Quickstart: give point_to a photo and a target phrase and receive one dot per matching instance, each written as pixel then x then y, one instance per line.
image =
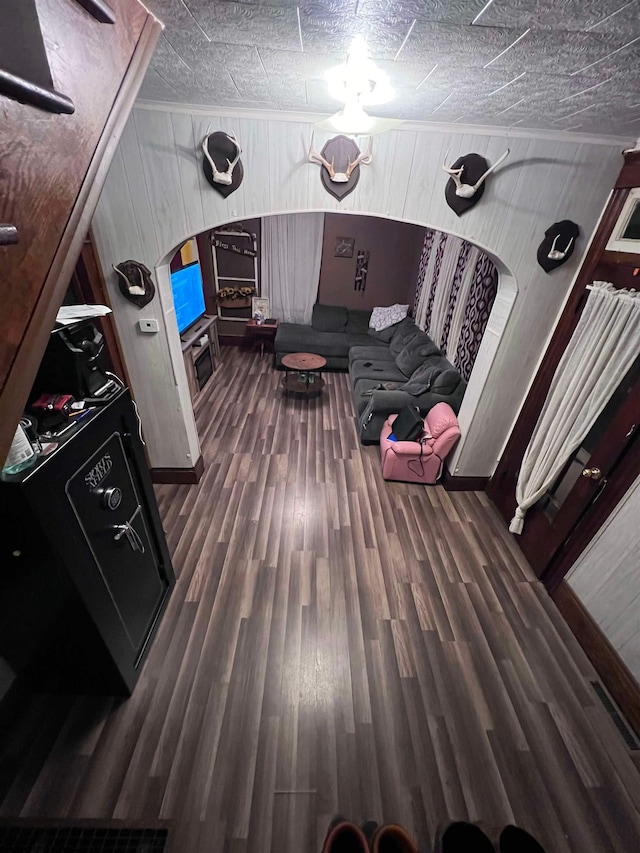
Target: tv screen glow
pixel 188 298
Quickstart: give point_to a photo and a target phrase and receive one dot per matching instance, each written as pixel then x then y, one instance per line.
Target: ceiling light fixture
pixel 359 80
pixel 357 83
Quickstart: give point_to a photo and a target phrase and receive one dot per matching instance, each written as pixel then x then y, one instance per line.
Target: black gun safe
pixel 85 573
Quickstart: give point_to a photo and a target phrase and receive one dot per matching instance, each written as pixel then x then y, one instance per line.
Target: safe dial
pixel 110 498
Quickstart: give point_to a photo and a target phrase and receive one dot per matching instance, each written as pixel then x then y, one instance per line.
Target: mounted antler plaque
pixel 466 186
pixel 558 244
pixel 222 166
pixel 340 160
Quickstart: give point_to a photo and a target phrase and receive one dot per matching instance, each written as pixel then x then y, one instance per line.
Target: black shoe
pixel 461 837
pixel 515 840
pixel 344 837
pixel 391 838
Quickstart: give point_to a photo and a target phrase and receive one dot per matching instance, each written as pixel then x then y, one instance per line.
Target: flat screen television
pixel 188 297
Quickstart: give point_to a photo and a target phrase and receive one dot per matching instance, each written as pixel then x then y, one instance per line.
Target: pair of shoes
pixel 462 837
pixel 345 837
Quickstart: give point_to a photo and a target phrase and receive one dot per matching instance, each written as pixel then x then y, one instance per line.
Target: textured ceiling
pixel 546 64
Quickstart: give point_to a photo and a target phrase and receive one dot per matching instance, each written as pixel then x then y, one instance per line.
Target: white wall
pixel 606 579
pixel 156 196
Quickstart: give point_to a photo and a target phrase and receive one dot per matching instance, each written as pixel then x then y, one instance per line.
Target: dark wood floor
pixel 334 643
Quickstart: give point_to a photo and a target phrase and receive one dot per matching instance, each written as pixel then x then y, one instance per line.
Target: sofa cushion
pixel 357 321
pixel 293 337
pixel 384 335
pixel 329 318
pixel 382 371
pixel 413 355
pixel 370 353
pixel 354 340
pixel 404 331
pixel 363 387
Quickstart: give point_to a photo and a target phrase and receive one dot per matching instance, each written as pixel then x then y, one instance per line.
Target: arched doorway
pixel 462 461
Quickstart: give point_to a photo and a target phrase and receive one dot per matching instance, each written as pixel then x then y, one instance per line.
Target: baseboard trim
pixel 463 484
pixel 178 475
pixel 612 670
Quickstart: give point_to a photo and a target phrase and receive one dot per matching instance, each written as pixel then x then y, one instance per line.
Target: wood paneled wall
pixel 394 255
pixel 606 579
pixel 156 196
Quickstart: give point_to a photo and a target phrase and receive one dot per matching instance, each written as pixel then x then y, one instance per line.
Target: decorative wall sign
pixel 222 166
pixel 340 160
pixel 362 268
pixel 344 247
pixel 135 283
pixel 466 185
pixel 229 247
pixel 558 244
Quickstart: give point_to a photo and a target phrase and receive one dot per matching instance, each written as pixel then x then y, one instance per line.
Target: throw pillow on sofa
pixel 329 318
pixel 381 318
pixel 413 355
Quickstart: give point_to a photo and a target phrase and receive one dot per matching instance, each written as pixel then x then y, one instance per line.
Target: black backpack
pixel 409 424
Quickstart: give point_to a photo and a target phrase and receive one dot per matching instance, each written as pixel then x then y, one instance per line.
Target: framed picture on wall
pixel 260 304
pixel 344 247
pixel 625 236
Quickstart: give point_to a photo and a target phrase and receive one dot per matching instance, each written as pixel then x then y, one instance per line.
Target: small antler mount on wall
pixel 466 185
pixel 340 162
pixel 221 164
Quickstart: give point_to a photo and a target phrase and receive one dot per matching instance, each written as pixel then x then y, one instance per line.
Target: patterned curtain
pixel 456 287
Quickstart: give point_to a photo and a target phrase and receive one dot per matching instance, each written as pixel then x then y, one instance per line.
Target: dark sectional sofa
pixel 390 369
pixel 332 333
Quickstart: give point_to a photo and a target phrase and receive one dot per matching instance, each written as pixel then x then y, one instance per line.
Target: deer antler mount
pixel 221 162
pixel 340 162
pixel 467 180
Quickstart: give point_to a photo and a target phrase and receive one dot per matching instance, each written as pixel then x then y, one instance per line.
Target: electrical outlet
pixel 148 326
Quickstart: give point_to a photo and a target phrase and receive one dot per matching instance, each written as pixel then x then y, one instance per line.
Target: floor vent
pixel 80 839
pixel 622 726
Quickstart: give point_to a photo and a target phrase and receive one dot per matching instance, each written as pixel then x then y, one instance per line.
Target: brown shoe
pixel 344 837
pixel 461 837
pixel 391 838
pixel 515 840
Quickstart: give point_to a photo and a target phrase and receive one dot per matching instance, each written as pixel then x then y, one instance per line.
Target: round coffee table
pixel 303 374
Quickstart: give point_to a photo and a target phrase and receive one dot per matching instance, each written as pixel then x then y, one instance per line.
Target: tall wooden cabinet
pixel 52 169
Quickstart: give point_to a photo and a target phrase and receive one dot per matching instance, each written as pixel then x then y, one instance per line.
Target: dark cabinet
pixel 84 568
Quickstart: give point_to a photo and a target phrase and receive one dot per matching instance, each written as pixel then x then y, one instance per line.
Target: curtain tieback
pixel 517 522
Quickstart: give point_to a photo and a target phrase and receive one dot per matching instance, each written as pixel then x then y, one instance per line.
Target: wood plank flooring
pixel 335 643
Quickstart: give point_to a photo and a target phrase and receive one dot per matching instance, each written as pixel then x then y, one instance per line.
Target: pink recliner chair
pixel 402 460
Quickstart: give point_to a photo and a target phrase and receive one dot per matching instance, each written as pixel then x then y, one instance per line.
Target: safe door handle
pixel 128 530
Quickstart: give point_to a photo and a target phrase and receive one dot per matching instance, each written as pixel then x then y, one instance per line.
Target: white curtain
pixel 603 347
pixel 290 264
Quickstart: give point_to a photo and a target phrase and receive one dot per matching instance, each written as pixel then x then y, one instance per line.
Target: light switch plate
pixel 148 326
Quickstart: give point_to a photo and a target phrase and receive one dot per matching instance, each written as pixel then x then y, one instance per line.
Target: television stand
pixel 200 359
